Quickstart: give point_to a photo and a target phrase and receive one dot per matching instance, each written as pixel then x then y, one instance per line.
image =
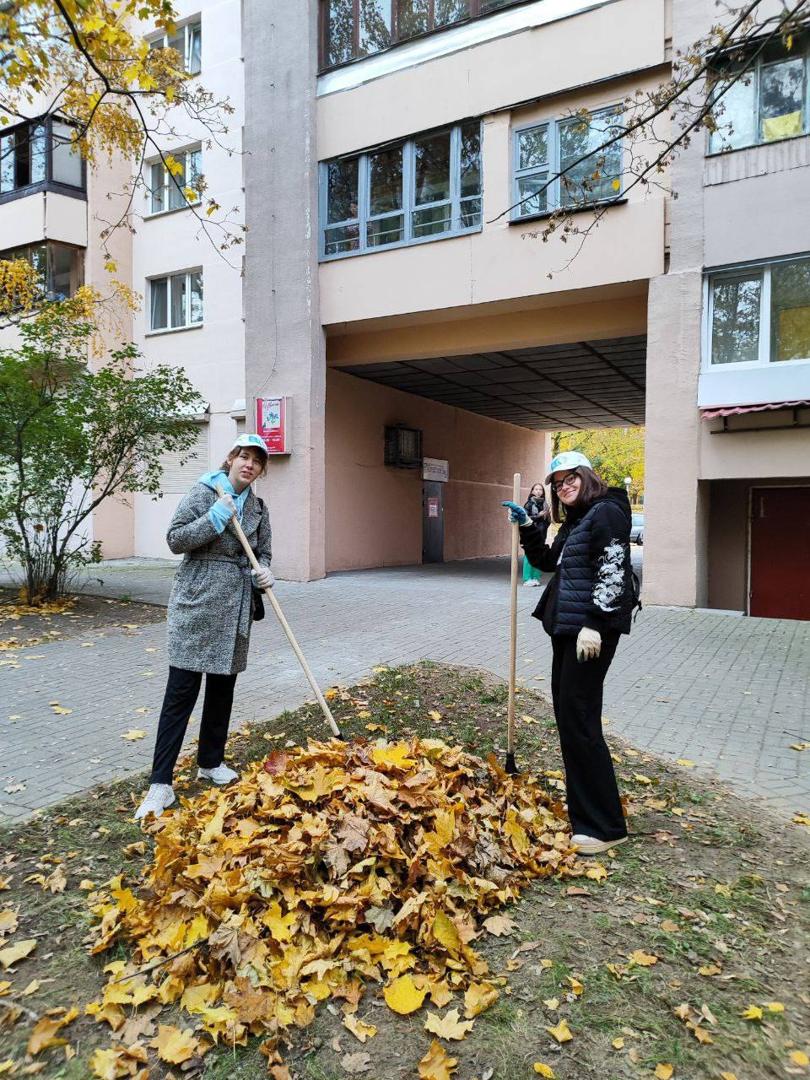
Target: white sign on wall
pixel 435 469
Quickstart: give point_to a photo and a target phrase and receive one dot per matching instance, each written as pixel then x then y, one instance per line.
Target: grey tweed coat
pixel 211 603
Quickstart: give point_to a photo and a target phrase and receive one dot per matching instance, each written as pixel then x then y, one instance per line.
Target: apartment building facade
pixel 401 304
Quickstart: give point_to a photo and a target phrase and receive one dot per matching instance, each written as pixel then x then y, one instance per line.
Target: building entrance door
pixel 432 522
pixel 780 553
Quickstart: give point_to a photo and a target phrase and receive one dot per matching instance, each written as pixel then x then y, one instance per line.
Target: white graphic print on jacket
pixel 607 589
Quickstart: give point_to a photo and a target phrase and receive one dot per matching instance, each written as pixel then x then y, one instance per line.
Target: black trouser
pixel 593 796
pixel 178 701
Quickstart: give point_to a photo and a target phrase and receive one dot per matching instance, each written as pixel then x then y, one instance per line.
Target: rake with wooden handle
pixel 511 767
pixel 285 626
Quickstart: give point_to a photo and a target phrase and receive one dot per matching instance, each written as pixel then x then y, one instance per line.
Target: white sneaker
pixel 221 774
pixel 157 799
pixel 589 845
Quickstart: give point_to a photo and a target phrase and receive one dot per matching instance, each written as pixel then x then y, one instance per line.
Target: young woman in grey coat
pixel 210 614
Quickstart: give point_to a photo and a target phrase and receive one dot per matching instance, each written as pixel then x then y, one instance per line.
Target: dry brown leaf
pixel 12 954
pixel 357 1063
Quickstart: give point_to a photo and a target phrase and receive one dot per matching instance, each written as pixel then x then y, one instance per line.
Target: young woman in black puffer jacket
pixel 585 609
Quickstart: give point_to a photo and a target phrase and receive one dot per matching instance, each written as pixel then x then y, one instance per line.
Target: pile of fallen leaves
pixel 323 870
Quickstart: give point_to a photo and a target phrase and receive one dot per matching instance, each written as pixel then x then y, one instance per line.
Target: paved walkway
pixel 726 692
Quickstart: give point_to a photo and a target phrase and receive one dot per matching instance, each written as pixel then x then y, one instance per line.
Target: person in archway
pixel 211 609
pixel 535 507
pixel 585 610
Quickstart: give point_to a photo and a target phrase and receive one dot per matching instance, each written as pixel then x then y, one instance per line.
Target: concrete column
pixel 284 340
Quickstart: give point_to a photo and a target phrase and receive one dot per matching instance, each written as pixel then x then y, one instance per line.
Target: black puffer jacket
pixel 594 583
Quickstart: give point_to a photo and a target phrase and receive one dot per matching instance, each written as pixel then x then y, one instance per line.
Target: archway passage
pixel 574 386
pixel 480 417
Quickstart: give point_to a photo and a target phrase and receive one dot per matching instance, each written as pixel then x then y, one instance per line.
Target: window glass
pixel 157 178
pixel 7 165
pixel 176 184
pixel 432 168
pixel 177 299
pixel 735 320
pixel 375 26
pixel 158 291
pixel 735 114
pixel 781 98
pixel 790 311
pixel 194 47
pixel 470 213
pixel 450 11
pixel 63 270
pixel 196 297
pixel 39 154
pixel 66 167
pixel 340 31
pixel 386 230
pixel 413 17
pixel 385 181
pixel 470 159
pixel 434 220
pixel 344 238
pixel 177 41
pixel 533 147
pixel 587 172
pixel 341 190
pixel 532 194
pixel 22 164
pixel 194 172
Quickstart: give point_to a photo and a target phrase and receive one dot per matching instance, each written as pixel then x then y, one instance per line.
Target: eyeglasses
pixel 567 481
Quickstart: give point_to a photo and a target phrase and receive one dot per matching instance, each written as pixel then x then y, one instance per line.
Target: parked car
pixel 637 529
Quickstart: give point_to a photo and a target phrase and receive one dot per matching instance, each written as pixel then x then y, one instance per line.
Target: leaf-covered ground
pixel 688 961
pixel 23 627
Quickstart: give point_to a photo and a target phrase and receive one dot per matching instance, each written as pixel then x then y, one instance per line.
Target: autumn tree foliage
pixel 91 63
pixel 71 437
pixel 615 454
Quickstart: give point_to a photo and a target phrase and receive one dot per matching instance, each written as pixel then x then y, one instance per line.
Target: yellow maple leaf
pixel 641 958
pixel 663 1071
pixel 133 734
pixel 174 1045
pixel 544 1070
pixel 798 1057
pixel 753 1012
pixel 618 1044
pixel 478 997
pixel 437 1064
pixel 434 714
pixel 403 996
pixel 707 970
pixel 727 1076
pixel 8 921
pixel 561 1032
pixel 359 1028
pixel 45 1029
pixel 446 932
pixel 14 953
pixel 214 827
pixel 396 755
pixel 774 1006
pixel 449 1026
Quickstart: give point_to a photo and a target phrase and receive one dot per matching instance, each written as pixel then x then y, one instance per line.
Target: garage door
pixel 780 553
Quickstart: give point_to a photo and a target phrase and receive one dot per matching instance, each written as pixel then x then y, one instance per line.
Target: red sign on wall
pixel 272 423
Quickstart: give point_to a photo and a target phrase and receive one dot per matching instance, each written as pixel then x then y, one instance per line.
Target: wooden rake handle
pixel 254 562
pixel 511 767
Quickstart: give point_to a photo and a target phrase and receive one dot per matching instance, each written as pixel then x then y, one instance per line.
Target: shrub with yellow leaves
pixel 324 869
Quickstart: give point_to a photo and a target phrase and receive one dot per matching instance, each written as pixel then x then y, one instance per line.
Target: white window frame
pixel 168 180
pixel 553 201
pixel 186 325
pixel 755 75
pixel 409 206
pixel 162 41
pixel 746 270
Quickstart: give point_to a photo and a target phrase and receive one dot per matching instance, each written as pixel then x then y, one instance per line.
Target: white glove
pixel 264 578
pixel 589 644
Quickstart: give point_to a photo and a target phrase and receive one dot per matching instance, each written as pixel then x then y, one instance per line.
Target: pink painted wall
pixel 374 513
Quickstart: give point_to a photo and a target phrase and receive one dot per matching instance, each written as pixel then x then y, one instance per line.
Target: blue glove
pixel 517 515
pixel 221 513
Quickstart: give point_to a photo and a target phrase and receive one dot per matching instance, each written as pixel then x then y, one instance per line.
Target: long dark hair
pixel 591 488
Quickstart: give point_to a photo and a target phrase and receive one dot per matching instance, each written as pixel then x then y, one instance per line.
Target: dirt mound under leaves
pixel 322 871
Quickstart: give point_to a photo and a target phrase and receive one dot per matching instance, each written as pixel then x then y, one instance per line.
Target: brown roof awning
pixel 738 410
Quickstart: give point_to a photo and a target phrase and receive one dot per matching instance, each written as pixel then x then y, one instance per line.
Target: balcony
pixel 43 185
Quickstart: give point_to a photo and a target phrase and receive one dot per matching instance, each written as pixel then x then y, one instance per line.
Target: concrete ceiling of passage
pixel 584 384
